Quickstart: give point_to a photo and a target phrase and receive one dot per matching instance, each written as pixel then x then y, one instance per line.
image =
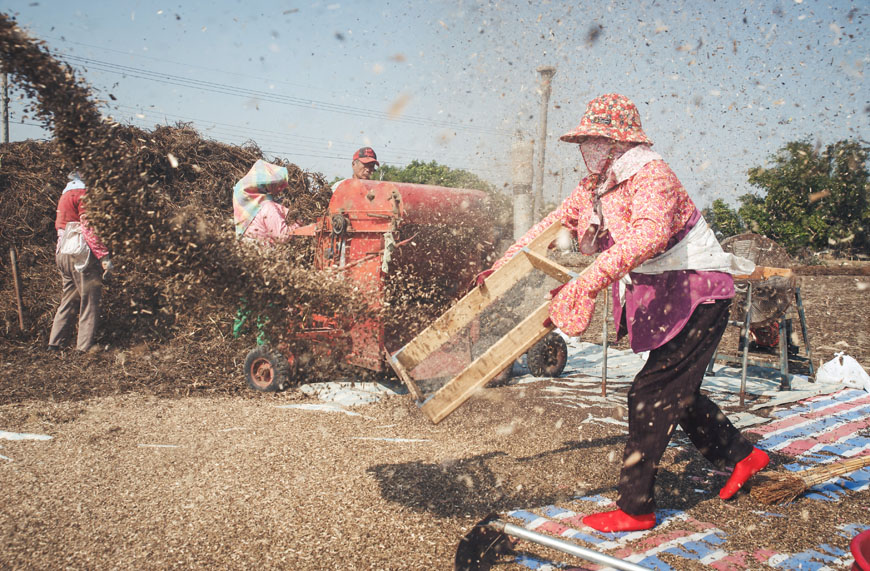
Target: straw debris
pixel 161 201
pixel 781 488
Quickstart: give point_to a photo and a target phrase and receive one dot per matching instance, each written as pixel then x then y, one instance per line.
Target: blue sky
pixel 721 86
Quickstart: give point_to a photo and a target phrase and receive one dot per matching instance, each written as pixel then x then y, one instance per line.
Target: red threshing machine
pixel 381 235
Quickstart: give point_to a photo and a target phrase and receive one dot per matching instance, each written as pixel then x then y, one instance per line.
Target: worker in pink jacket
pixel 259 217
pixel 256 213
pixel 83 262
pixel 632 210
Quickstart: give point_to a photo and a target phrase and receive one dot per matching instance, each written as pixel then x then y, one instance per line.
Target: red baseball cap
pixel 366 155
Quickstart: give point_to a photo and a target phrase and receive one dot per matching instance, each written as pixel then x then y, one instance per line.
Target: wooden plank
pixel 764 272
pixel 463 311
pixel 549 267
pixel 16 279
pixel 502 354
pixel 405 377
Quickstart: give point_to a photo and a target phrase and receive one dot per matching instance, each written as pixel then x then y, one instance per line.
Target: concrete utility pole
pixel 522 157
pixel 547 72
pixel 4 108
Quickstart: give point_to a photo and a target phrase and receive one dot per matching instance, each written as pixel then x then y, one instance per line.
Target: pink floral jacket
pixel 643 216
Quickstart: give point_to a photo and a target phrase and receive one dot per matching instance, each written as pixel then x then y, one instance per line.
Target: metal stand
pixel 803 317
pixel 785 376
pixel 746 323
pixel 785 379
pixel 604 345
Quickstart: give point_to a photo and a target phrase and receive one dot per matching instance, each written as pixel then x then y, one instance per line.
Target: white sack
pixel 845 370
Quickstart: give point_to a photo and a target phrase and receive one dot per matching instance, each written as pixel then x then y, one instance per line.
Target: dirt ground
pixel 160 458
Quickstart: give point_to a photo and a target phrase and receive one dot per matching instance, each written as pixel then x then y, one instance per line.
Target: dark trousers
pixel 667 393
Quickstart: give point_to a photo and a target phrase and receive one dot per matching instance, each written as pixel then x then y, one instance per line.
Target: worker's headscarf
pixel 613 116
pixel 75 182
pixel 608 128
pixel 256 187
pixel 610 125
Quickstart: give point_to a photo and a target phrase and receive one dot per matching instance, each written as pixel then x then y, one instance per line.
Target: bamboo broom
pixel 781 487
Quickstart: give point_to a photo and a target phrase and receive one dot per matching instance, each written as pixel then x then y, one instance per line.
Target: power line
pixel 306 103
pixel 495 131
pixel 309 104
pixel 28 123
pixel 308 147
pixel 240 131
pixel 310 152
pixel 163 60
pixel 397 158
pixel 209 69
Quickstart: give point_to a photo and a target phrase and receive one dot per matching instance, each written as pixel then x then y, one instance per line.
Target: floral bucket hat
pixel 613 116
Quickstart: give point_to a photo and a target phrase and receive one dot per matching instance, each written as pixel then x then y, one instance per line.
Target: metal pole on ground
pixel 745 334
pixel 565 546
pixel 604 349
pixel 784 383
pixel 547 73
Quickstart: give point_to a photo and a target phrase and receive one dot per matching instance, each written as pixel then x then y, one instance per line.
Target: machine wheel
pixel 502 378
pixel 548 356
pixel 269 370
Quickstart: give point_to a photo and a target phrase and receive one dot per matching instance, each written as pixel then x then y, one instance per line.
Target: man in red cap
pixel 672 289
pixel 364 163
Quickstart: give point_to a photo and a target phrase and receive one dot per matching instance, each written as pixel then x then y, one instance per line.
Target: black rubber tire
pixel 502 378
pixel 269 370
pixel 548 356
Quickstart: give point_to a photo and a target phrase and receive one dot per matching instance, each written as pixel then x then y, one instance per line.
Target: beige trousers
pixel 81 294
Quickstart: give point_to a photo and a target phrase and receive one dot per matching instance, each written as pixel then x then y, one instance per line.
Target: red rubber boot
pixel 743 470
pixel 618 520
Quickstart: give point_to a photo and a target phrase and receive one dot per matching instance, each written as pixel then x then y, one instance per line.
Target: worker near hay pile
pixel 260 218
pixel 256 214
pixel 363 164
pixel 672 288
pixel 84 263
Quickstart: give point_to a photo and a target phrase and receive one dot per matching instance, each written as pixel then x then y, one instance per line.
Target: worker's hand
pixel 555 291
pixel 481 277
pixel 572 307
pixel 108 267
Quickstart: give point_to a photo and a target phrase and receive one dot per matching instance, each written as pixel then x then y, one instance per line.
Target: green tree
pixel 723 219
pixel 419 172
pixel 813 199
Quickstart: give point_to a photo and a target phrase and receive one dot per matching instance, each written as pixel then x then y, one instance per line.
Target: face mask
pixel 595 151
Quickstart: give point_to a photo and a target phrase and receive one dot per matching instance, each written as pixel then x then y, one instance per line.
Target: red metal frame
pixel 352 236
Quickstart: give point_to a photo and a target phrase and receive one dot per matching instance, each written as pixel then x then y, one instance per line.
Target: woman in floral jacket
pixel 634 211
